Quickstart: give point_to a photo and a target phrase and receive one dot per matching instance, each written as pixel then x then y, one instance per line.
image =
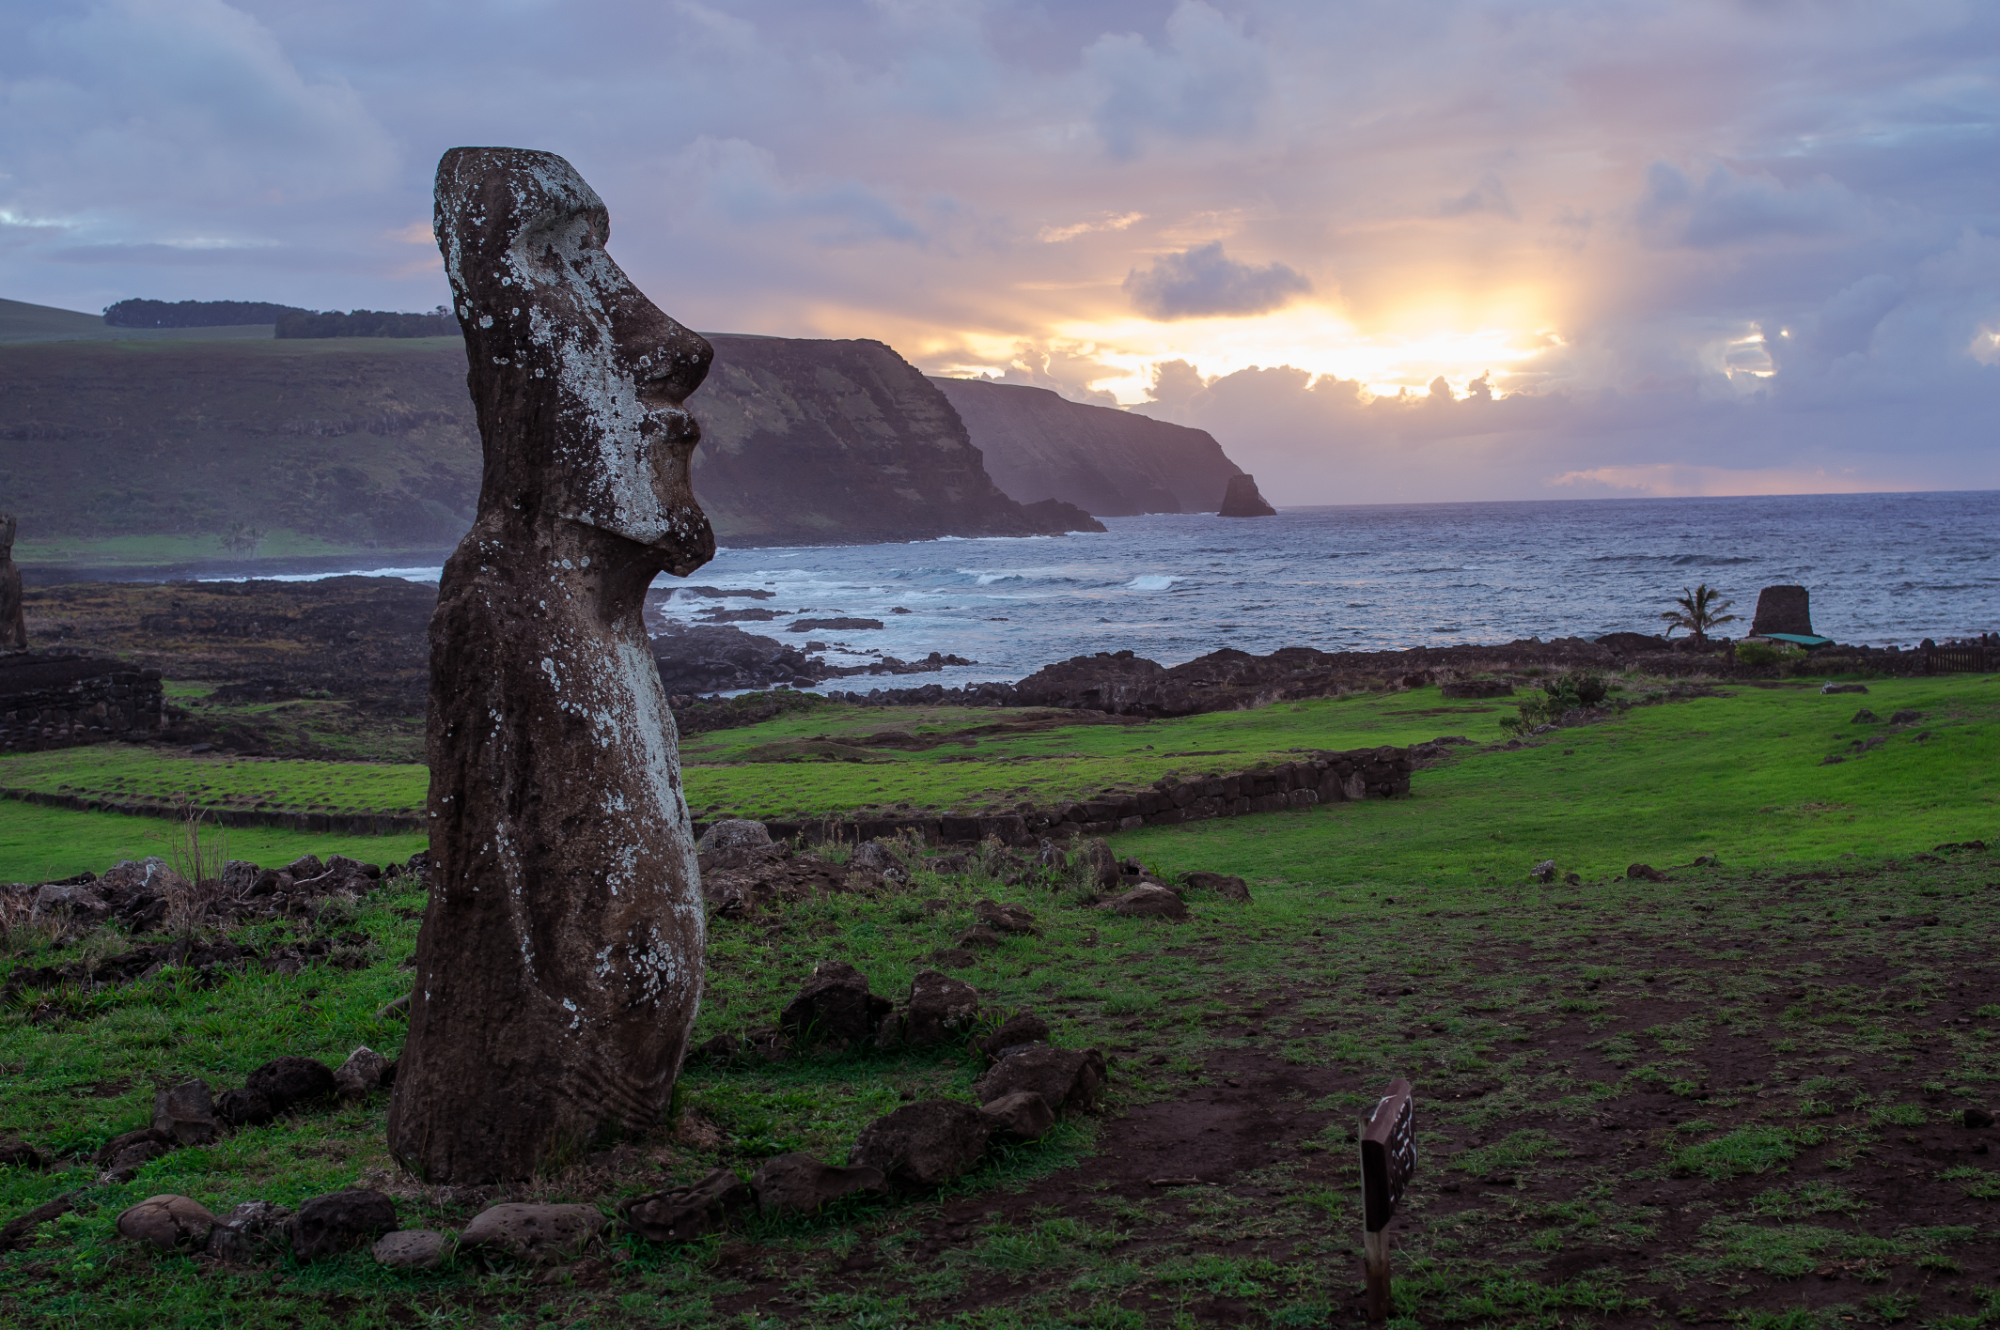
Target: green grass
pixel 42 844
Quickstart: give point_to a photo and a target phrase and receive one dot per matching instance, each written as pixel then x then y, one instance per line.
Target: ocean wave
pixel 1153 582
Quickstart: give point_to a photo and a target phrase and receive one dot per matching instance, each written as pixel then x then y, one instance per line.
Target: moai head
pixel 578 378
pixel 6 535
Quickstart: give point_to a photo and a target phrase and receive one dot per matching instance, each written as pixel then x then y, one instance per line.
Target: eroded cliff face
pixel 822 442
pixel 1110 463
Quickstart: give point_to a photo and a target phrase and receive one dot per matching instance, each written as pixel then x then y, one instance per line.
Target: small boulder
pixel 1544 871
pixel 539 1234
pixel 1017 1030
pixel 1148 900
pixel 1222 884
pixel 925 1144
pixel 686 1213
pixel 171 1223
pixel 122 1156
pixel 243 1108
pixel 1905 717
pixel 290 1080
pixel 73 899
pixel 410 1249
pixel 239 879
pixel 1831 687
pixel 953 958
pixel 361 1074
pixel 17 1153
pixel 244 1234
pixel 834 1007
pixel 876 858
pixel 1063 1077
pixel 977 939
pixel 1100 865
pixel 799 1184
pixel 1864 717
pixel 329 1224
pixel 1003 918
pixel 1644 873
pixel 1020 1116
pixel 1976 1117
pixel 305 868
pixel 186 1113
pixel 734 833
pixel 940 1009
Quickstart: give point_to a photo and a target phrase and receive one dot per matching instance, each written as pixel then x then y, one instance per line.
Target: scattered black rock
pixel 1002 918
pixel 939 1010
pixel 328 1225
pixel 249 1231
pixel 686 1213
pixel 1148 900
pixel 17 1153
pixel 1063 1077
pixel 244 1108
pixel 799 1184
pixel 288 1081
pixel 186 1113
pixel 834 1007
pixel 1222 884
pixel 1021 1116
pixel 1017 1030
pixel 171 1223
pixel 1976 1117
pixel 925 1144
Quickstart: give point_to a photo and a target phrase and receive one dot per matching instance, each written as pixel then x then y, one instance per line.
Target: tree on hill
pixel 193 313
pixel 1700 610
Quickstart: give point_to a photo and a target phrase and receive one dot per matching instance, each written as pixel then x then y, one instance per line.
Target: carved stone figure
pixel 559 964
pixel 1783 609
pixel 13 622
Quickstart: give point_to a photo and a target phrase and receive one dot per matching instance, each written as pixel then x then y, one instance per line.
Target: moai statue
pixel 13 621
pixel 560 961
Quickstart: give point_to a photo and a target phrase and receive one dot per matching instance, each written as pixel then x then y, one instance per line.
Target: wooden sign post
pixel 1388 1159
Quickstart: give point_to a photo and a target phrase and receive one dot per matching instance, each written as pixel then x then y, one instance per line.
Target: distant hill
pixel 23 322
pixel 194 313
pixel 157 453
pixel 1110 463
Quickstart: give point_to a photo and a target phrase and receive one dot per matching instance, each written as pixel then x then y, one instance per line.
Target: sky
pixel 1384 250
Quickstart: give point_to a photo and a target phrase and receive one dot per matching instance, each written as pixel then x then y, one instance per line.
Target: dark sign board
pixel 1388 1155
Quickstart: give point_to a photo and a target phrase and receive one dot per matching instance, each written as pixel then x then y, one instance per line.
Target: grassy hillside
pixel 176 450
pixel 23 322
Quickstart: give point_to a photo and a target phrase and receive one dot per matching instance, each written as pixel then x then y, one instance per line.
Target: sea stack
pixel 1241 499
pixel 560 961
pixel 1783 609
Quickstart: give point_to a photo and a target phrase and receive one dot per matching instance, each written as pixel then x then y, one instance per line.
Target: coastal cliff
pixel 835 442
pixel 1110 463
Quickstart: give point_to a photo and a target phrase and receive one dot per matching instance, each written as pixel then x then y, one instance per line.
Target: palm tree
pixel 1700 610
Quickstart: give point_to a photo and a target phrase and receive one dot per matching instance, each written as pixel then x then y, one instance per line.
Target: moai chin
pixel 13 618
pixel 559 964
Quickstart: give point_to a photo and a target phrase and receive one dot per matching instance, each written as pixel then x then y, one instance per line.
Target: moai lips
pixel 560 961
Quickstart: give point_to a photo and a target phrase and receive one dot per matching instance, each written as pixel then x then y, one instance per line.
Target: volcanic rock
pixel 925 1144
pixel 977 939
pixel 834 1007
pixel 1003 918
pixel 940 1008
pixel 1475 688
pixel 186 1113
pixel 733 833
pixel 327 1225
pixel 17 1153
pixel 242 1235
pixel 171 1223
pixel 1021 1028
pixel 410 1249
pixel 1241 499
pixel 1021 1116
pixel 546 713
pixel 364 1072
pixel 686 1213
pixel 1148 900
pixel 1644 873
pixel 798 1183
pixel 244 1108
pixel 122 1157
pixel 1103 864
pixel 288 1081
pixel 1063 1077
pixel 539 1234
pixel 1222 884
pixel 13 621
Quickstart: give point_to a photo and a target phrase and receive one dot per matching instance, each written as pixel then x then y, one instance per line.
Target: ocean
pixel 1882 569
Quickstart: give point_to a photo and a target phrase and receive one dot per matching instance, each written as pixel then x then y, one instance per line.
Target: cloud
pixel 1662 480
pixel 1210 80
pixel 1055 235
pixel 1727 209
pixel 1205 282
pixel 742 183
pixel 1488 196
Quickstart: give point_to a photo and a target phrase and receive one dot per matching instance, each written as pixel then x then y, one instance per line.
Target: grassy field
pixel 1732 1097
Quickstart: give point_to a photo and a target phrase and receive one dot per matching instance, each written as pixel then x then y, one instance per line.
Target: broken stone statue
pixel 559 963
pixel 13 621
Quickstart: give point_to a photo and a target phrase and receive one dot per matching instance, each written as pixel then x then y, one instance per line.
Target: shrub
pixel 1761 655
pixel 1567 693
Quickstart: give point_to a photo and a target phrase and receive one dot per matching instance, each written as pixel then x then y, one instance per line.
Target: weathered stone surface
pixel 1644 873
pixel 685 1213
pixel 1102 864
pixel 977 938
pixel 239 879
pixel 733 833
pixel 1021 1028
pixel 13 620
pixel 560 960
pixel 305 868
pixel 1783 609
pixel 540 1234
pixel 145 1143
pixel 326 1225
pixel 1063 1077
pixel 17 1153
pixel 925 1144
pixel 1004 918
pixel 362 1073
pixel 876 857
pixel 244 1108
pixel 288 1081
pixel 798 1183
pixel 1148 900
pixel 1222 884
pixel 247 1232
pixel 186 1113
pixel 1241 499
pixel 940 1009
pixel 1022 1115
pixel 77 900
pixel 834 1007
pixel 171 1223
pixel 410 1249
pixel 1460 689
